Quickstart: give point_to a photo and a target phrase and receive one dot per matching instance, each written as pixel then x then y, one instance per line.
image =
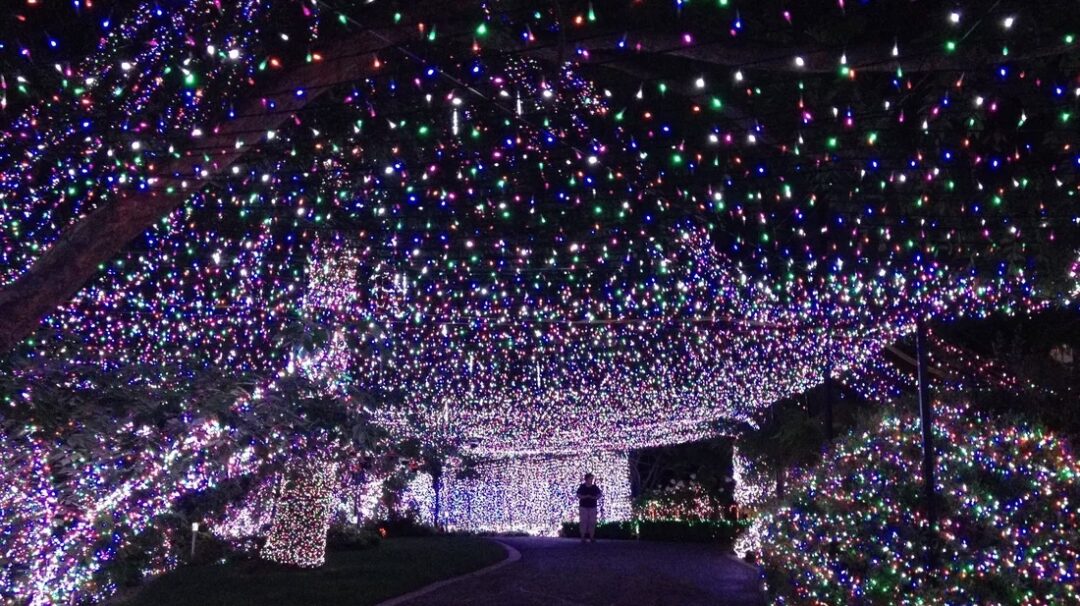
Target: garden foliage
pixel 854 529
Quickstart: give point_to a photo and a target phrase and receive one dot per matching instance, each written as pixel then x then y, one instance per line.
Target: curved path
pixel 564 572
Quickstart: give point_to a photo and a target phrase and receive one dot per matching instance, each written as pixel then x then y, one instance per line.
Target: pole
pixel 779 472
pixel 828 388
pixel 827 383
pixel 926 418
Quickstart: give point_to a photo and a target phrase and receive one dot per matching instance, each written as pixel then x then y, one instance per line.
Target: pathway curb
pixel 512 555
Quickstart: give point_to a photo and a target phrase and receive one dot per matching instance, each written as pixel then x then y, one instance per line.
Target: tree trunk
pixel 302 518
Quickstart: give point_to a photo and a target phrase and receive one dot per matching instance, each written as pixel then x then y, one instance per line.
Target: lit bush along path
pixel 355 578
pixel 629 573
pixel 855 533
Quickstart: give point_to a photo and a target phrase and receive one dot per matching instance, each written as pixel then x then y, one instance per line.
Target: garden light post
pixel 194 535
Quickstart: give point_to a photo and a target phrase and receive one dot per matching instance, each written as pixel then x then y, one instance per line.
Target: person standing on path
pixel 588 494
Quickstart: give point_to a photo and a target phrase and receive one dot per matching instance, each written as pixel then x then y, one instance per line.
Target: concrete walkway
pixel 563 572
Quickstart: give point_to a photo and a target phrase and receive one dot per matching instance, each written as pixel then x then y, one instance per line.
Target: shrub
pixel 209 549
pixel 604 530
pixel 404 526
pixel 853 530
pixel 689 531
pixel 683 501
pixel 142 552
pixel 350 538
pixel 720 531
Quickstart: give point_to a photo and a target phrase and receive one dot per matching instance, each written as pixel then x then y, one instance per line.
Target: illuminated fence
pixel 534 494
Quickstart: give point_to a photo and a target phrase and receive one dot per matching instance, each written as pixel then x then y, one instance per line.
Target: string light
pixel 682 501
pixel 507 253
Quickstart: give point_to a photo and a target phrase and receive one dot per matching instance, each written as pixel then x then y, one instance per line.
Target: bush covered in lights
pixel 349 537
pixel 854 532
pixel 104 469
pixel 681 500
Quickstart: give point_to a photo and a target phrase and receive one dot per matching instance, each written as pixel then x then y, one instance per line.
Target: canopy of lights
pixel 539 228
pixel 522 228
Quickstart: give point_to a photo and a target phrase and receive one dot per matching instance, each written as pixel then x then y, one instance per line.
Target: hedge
pixel 721 532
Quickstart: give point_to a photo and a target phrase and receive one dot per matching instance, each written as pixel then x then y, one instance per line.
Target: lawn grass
pixel 349 578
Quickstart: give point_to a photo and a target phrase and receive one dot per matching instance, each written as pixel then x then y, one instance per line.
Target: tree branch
pixel 815 59
pixel 76 257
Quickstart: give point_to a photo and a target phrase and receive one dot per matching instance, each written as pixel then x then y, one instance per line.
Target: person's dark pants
pixel 587 516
